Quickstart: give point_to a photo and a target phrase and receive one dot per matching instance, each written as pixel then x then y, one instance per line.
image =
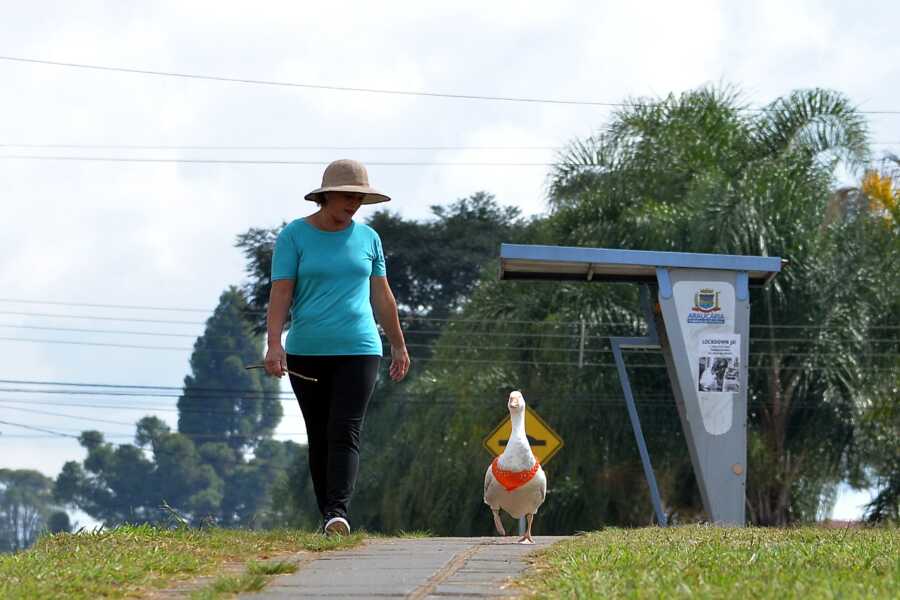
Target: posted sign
pixel 544 442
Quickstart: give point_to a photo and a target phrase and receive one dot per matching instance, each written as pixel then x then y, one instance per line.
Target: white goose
pixel 515 480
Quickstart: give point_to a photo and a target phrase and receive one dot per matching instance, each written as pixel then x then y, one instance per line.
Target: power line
pixel 230 161
pixel 452 321
pixel 206 336
pixel 50 431
pixel 432 358
pixel 132 407
pixel 580 399
pixel 56 414
pixel 112 385
pixel 268 148
pixel 208 410
pixel 479 335
pixel 656 423
pixel 97 318
pixel 98 420
pixel 111 345
pixel 455 334
pixel 310 85
pixel 107 435
pixel 249 395
pixel 115 331
pixel 89 304
pixel 362 89
pixel 253 148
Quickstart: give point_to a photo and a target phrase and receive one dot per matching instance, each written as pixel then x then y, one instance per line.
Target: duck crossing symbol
pixel 544 442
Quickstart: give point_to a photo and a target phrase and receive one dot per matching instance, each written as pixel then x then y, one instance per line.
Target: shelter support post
pixel 705 343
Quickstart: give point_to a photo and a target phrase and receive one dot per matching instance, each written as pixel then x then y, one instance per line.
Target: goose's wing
pixel 492 489
pixel 542 484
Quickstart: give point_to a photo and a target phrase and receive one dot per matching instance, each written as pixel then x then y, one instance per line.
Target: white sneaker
pixel 337 526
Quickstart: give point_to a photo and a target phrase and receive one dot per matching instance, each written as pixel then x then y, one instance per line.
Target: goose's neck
pixel 518 426
pixel 517 456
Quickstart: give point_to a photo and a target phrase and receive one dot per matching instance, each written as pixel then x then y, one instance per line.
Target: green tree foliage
pixel 697 173
pixel 222 463
pixel 434 265
pixel 26 509
pixel 879 195
pixel 257 245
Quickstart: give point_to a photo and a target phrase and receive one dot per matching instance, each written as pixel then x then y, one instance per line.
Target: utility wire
pixel 115 331
pixel 227 148
pixel 227 161
pixel 129 424
pixel 94 317
pixel 269 148
pixel 50 431
pixel 479 347
pixel 208 410
pixel 439 359
pixel 95 305
pixel 451 322
pixel 455 334
pixel 188 395
pixel 361 89
pixel 113 385
pixel 56 414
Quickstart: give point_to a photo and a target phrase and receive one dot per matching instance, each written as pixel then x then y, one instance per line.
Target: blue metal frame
pixel 742 285
pixel 665 284
pixel 650 341
pixel 650 258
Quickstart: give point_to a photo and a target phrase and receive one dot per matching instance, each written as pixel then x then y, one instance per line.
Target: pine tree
pixel 204 470
pixel 222 401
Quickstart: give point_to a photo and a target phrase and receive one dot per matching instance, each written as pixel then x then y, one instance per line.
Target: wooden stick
pixel 262 366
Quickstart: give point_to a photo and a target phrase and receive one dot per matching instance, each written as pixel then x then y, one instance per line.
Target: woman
pixel 329 271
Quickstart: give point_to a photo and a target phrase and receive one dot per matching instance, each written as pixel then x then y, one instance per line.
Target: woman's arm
pixel 386 311
pixel 280 298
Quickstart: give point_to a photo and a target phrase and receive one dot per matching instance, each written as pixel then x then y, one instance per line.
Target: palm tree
pixel 701 172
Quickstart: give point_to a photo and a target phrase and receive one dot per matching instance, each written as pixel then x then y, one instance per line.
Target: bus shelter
pixel 702 327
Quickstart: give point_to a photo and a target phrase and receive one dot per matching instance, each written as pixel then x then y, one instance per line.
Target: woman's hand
pixel 399 362
pixel 276 360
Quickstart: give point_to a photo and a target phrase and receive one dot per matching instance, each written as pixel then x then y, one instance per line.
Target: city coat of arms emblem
pixel 706 301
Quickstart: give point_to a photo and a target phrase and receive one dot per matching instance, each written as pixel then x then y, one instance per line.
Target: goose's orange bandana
pixel 513 479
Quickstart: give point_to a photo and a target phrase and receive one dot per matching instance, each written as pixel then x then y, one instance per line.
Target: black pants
pixel 334 409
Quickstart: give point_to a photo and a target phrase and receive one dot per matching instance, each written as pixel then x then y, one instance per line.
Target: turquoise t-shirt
pixel 331 314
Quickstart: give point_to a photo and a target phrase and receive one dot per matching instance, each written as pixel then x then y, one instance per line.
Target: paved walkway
pixel 419 569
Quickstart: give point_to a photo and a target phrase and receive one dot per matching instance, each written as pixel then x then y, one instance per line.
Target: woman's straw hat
pixel 347 176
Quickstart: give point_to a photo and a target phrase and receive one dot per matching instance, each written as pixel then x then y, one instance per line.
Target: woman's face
pixel 341 206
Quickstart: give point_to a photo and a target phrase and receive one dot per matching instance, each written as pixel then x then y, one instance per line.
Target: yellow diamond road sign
pixel 545 442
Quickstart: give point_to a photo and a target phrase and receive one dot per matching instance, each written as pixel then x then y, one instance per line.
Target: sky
pixel 153 234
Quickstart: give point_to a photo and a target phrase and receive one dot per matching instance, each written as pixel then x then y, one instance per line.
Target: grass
pixel 254 579
pixel 413 534
pixel 712 562
pixel 129 560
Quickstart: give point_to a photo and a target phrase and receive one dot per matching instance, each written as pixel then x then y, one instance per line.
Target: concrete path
pixel 419 569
